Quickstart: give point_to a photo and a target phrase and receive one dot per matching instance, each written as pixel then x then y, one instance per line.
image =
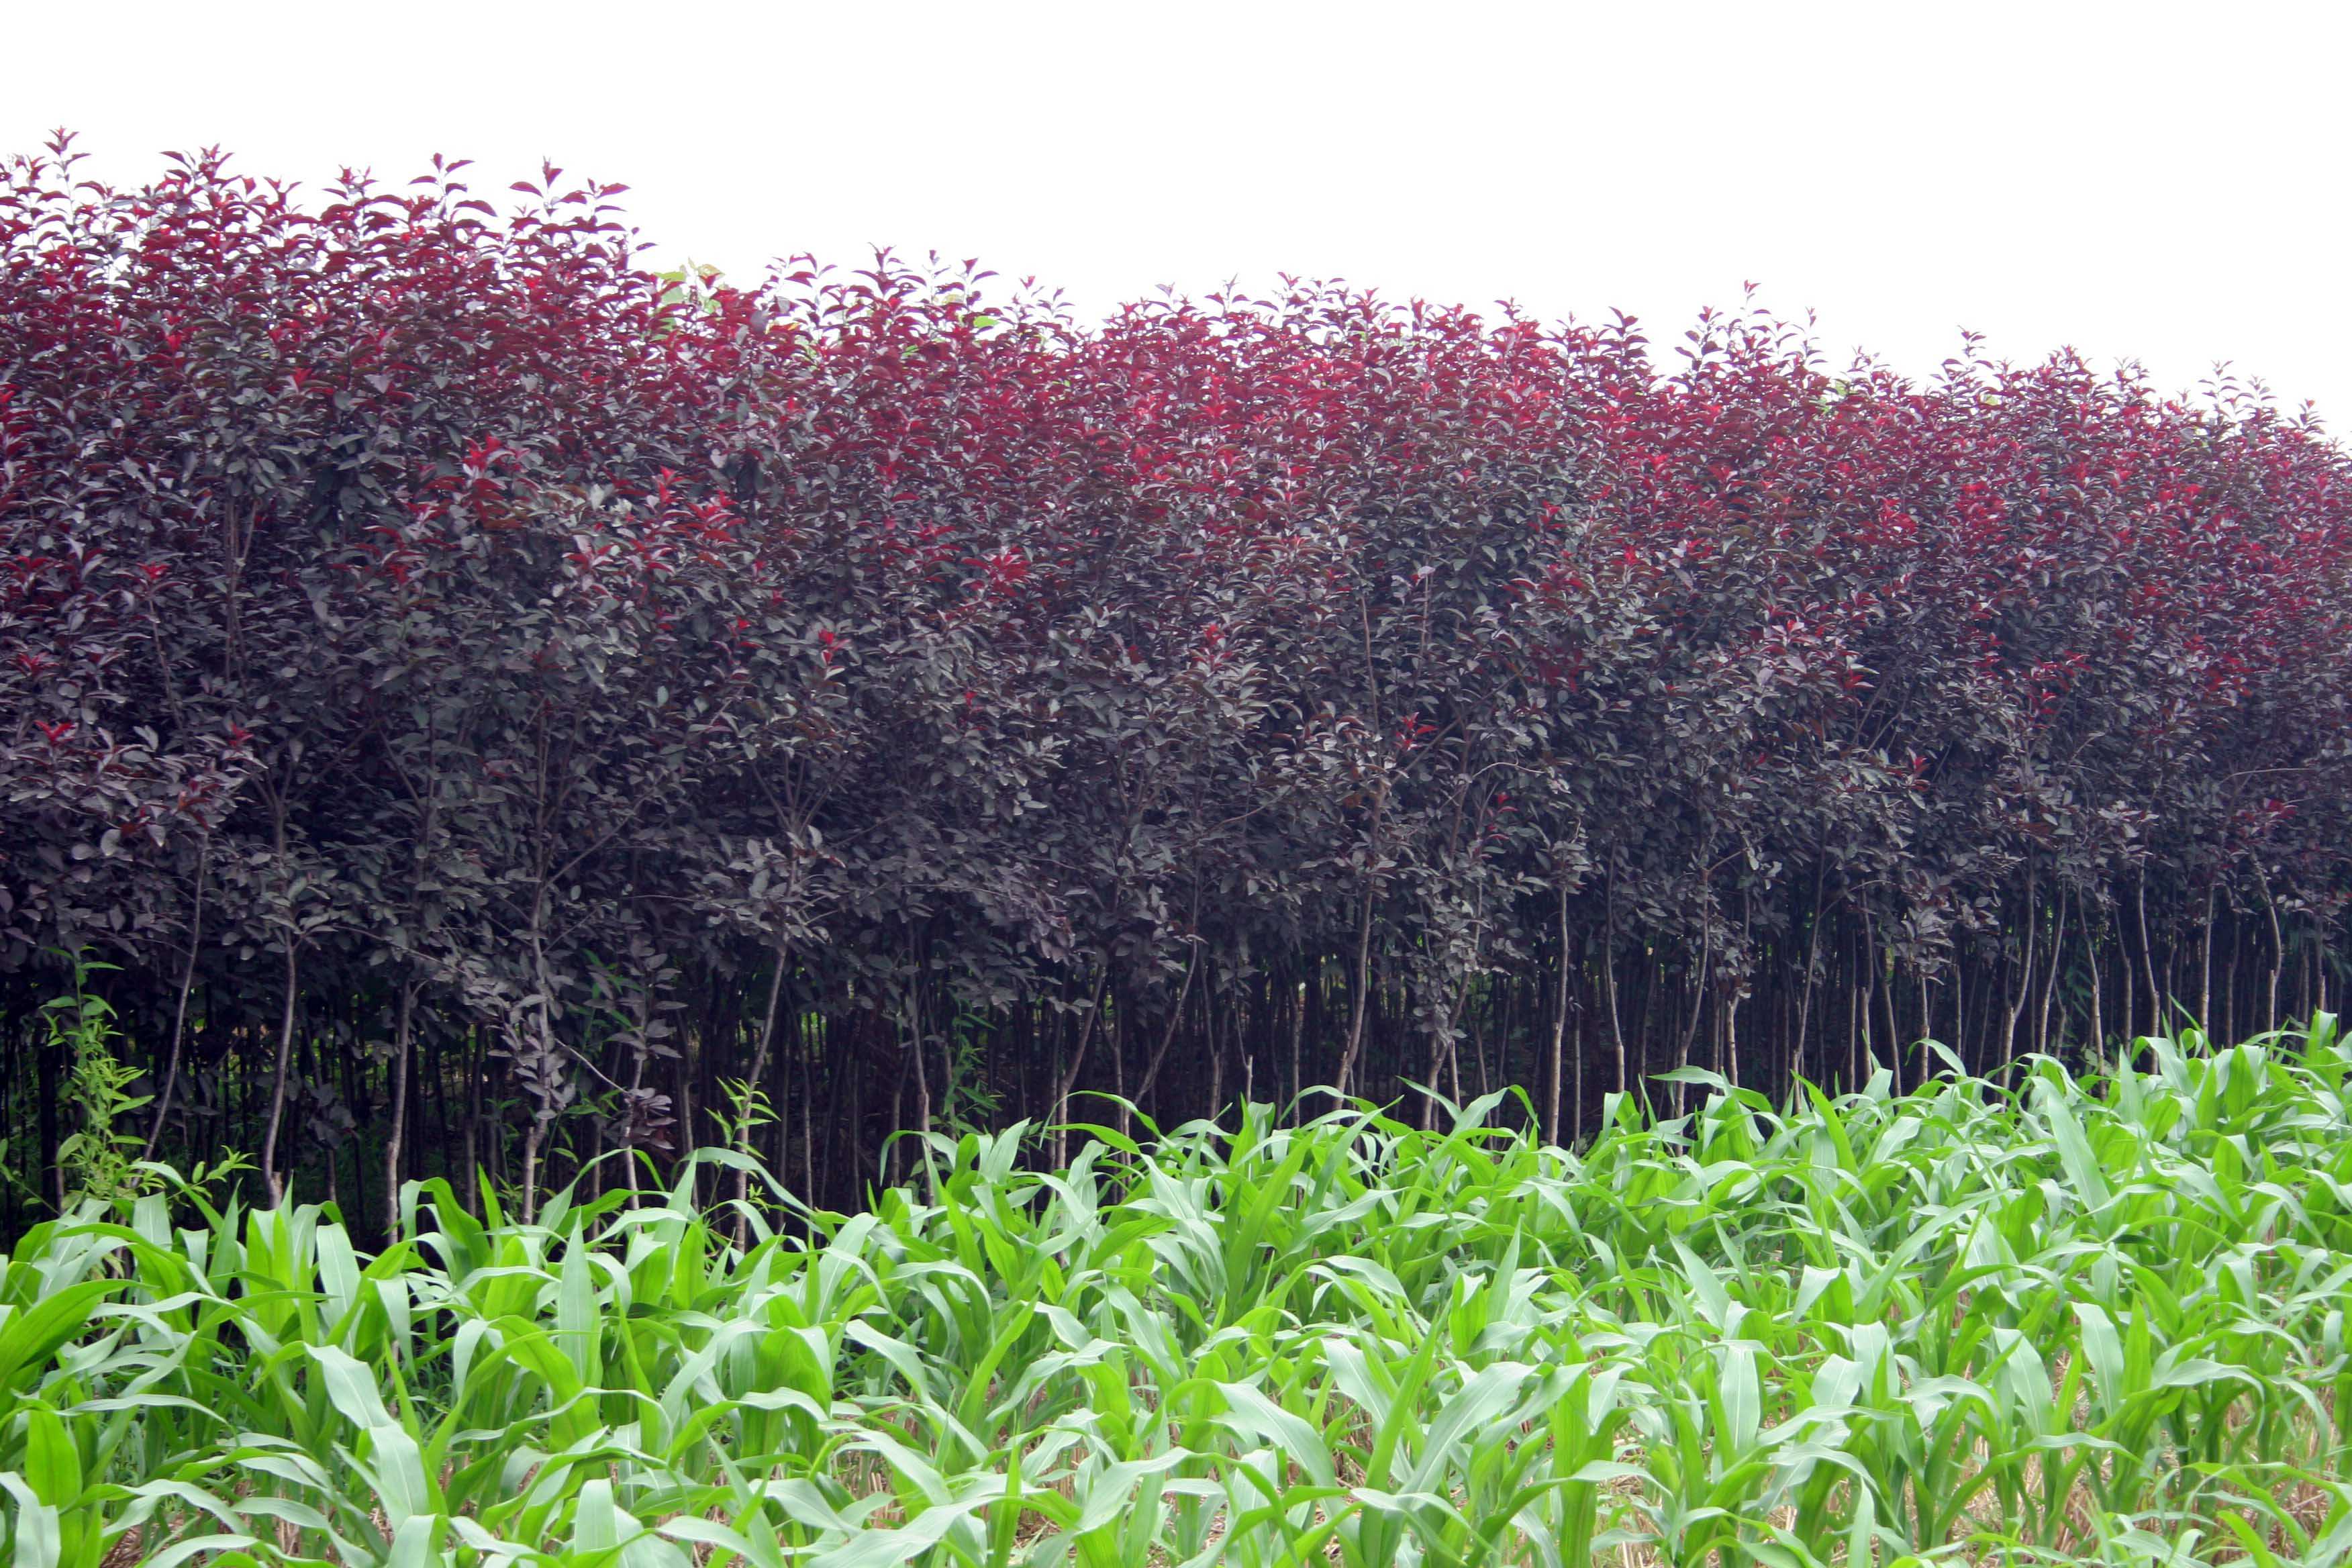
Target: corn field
pixel 2046 1318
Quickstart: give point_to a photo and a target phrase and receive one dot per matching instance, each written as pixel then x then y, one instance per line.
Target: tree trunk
pixel 1812 959
pixel 2278 957
pixel 45 1056
pixel 1362 998
pixel 2205 965
pixel 1167 1034
pixel 2057 969
pixel 402 1049
pixel 270 1176
pixel 1070 1078
pixel 2025 972
pixel 1609 983
pixel 1886 998
pixel 1698 999
pixel 1298 1030
pixel 752 1086
pixel 180 1013
pixel 1559 1032
pixel 2098 988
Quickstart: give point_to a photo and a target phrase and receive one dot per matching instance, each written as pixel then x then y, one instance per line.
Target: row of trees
pixel 494 705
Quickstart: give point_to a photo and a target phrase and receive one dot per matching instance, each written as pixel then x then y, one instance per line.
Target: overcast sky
pixel 2131 180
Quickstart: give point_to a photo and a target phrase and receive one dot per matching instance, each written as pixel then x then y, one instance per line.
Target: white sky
pixel 2134 181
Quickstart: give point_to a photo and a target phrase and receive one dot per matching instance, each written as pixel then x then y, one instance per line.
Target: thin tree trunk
pixel 2205 965
pixel 47 1063
pixel 1452 1042
pixel 1883 968
pixel 1698 1000
pixel 180 1013
pixel 1444 1053
pixel 752 1086
pixel 1859 1023
pixel 1298 1031
pixel 543 1114
pixel 2098 989
pixel 1362 998
pixel 2025 971
pixel 922 1070
pixel 1812 957
pixel 1857 1029
pixel 2057 969
pixel 1737 994
pixel 470 1057
pixel 270 1176
pixel 534 1138
pixel 807 1054
pixel 2278 956
pixel 1730 1027
pixel 897 1120
pixel 1167 1034
pixel 1609 983
pixel 1216 1055
pixel 1559 1034
pixel 402 1049
pixel 1926 1032
pixel 1070 1078
pixel 2230 1011
pixel 1956 981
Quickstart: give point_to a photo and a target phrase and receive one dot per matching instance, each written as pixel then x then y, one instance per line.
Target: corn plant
pixel 2049 1317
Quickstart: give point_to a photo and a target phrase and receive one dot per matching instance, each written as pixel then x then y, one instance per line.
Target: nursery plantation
pixel 487 706
pixel 837 918
pixel 2043 1319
